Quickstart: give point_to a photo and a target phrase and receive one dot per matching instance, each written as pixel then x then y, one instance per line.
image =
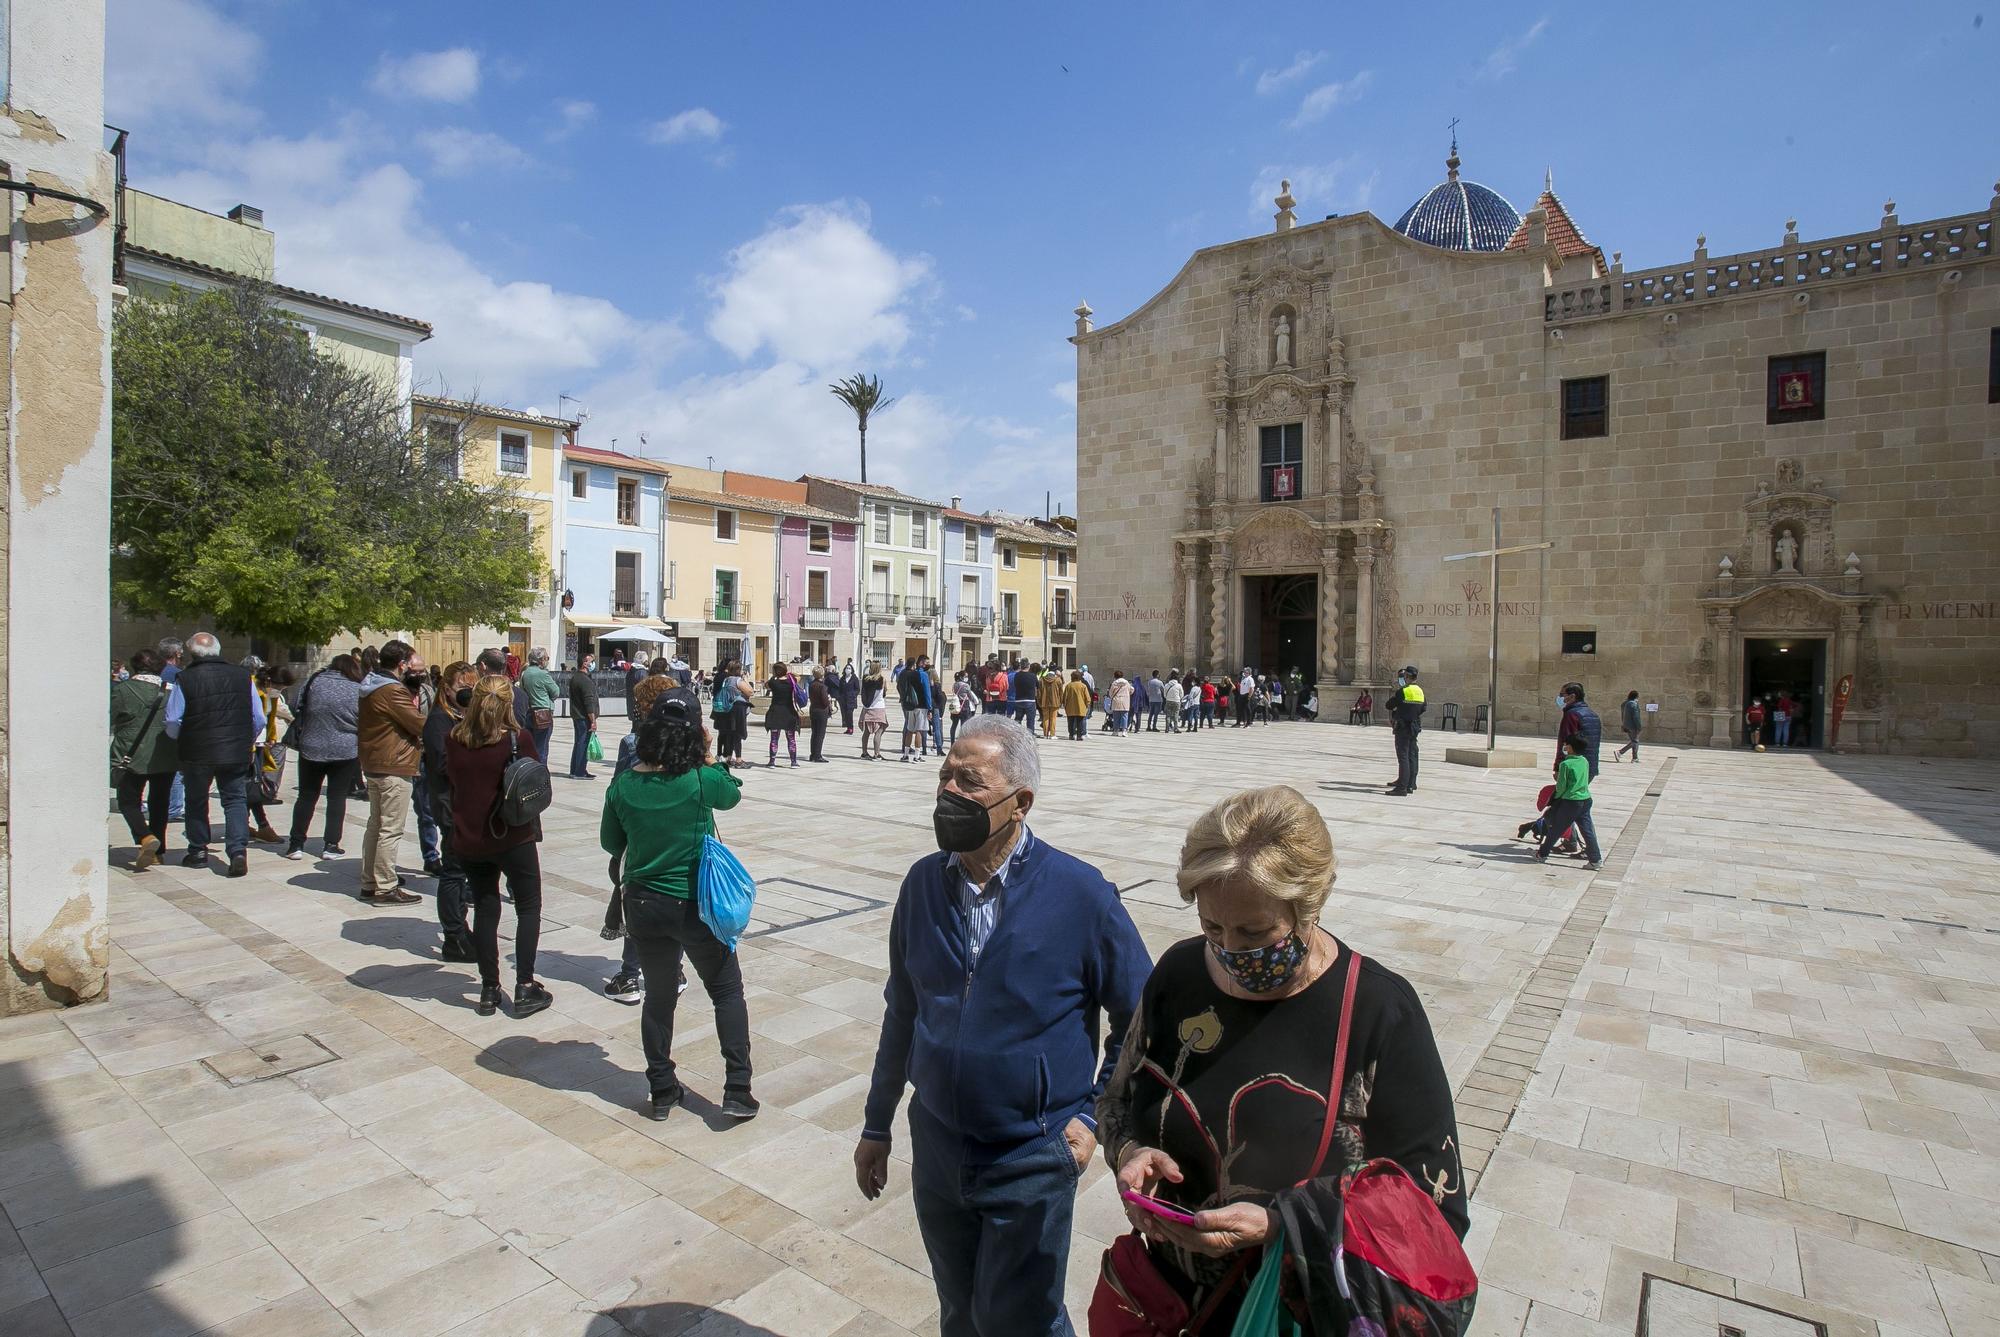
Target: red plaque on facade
pixel 1284 481
pixel 1795 390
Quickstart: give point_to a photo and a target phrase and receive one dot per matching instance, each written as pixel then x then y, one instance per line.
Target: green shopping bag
pixel 594 750
pixel 1262 1314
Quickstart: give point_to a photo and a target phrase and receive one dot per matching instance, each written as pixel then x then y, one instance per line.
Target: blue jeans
pixel 1152 715
pixel 1118 720
pixel 1784 727
pixel 542 737
pixel 177 799
pixel 937 731
pixel 1563 813
pixel 579 752
pixel 232 784
pixel 427 827
pixel 997 1231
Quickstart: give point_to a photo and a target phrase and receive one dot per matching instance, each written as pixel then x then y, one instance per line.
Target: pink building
pixel 818 568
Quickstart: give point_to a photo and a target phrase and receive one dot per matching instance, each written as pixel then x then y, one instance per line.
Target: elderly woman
pixel 1219 1099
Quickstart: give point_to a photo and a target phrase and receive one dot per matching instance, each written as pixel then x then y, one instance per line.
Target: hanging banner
pixel 1841 691
pixel 1284 481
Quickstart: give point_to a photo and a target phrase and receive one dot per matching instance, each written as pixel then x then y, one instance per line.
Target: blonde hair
pixel 490 717
pixel 1271 838
pixel 646 693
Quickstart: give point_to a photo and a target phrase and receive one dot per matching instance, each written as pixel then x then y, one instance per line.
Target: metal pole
pixel 1493 643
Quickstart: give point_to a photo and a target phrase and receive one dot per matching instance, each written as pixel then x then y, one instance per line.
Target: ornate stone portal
pixel 1280 365
pixel 1785 583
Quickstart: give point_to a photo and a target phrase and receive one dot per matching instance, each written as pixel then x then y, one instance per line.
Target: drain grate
pixel 1672 1309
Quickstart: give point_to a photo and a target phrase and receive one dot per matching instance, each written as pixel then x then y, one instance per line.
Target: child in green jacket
pixel 1572 804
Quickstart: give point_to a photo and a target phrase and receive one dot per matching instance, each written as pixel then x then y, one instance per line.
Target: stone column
pixel 1329 624
pixel 1220 572
pixel 1727 685
pixel 1846 659
pixel 1223 486
pixel 1364 610
pixel 1187 575
pixel 1326 418
pixel 54 554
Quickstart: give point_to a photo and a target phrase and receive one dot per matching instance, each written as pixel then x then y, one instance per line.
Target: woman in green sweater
pixel 1571 803
pixel 655 816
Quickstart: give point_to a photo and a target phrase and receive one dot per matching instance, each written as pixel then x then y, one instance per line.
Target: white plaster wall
pixel 58 445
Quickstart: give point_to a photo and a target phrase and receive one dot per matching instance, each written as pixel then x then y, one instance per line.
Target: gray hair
pixel 1020 760
pixel 252 662
pixel 202 645
pixel 539 655
pixel 168 649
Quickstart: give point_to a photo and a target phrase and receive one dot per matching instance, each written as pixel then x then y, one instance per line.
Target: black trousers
pixel 819 719
pixel 522 867
pixel 666 928
pixel 341 778
pixel 151 819
pixel 1406 758
pixel 1077 725
pixel 846 714
pixel 454 895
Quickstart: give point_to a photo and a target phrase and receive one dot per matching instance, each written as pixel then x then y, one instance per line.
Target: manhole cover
pixel 274 1058
pixel 1669 1309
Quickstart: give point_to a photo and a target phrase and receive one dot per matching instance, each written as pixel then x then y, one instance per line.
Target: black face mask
pixel 415 681
pixel 463 696
pixel 960 822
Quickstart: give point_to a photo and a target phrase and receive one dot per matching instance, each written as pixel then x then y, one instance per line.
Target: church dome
pixel 1457 215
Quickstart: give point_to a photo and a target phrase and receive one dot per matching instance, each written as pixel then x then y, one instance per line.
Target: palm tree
pixel 863 394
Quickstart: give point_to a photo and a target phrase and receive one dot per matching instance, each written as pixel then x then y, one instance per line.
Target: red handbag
pixel 1132 1299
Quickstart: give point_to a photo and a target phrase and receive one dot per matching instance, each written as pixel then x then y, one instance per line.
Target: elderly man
pixel 389 739
pixel 215 714
pixel 539 686
pixel 1002 953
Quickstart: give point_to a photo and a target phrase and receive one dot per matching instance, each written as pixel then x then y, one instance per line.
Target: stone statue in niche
pixel 1284 358
pixel 1787 549
pixel 1788 473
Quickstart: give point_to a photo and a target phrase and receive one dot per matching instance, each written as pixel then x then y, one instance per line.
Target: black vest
pixel 216 728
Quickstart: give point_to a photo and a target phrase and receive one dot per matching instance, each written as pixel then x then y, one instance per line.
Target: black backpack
pixel 525 791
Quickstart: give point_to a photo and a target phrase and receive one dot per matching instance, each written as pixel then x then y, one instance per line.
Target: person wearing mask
pixel 935 696
pixel 1076 706
pixel 964 702
pixel 215 713
pixel 1156 701
pixel 169 652
pixel 1118 701
pixel 1021 695
pixel 1362 709
pixel 1003 952
pixel 538 686
pixel 389 738
pixel 267 775
pixel 819 709
pixel 850 696
pixel 453 892
pixel 628 985
pixel 326 730
pixel 1172 694
pixel 513 665
pixel 655 818
pixel 722 713
pixel 477 752
pixel 874 711
pixel 1406 716
pixel 1632 720
pixel 1571 804
pixel 143 757
pixel 1246 697
pixel 1260 999
pixel 1211 697
pixel 912 694
pixel 1578 718
pixel 783 714
pixel 1781 721
pixel 582 714
pixel 1048 697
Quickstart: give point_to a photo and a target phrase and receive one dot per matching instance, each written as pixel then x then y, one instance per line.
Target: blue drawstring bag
pixel 725 891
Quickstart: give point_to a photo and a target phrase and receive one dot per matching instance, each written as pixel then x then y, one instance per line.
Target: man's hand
pixel 592 727
pixel 871 1167
pixel 1082 1143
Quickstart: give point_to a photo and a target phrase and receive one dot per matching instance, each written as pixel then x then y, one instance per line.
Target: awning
pixel 646 634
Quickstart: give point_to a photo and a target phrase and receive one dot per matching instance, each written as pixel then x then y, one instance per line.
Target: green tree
pixel 278 489
pixel 863 394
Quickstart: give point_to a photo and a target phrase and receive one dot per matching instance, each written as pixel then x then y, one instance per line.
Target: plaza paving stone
pixel 1750 1070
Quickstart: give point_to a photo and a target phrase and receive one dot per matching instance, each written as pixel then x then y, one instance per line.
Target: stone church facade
pixel 1775 471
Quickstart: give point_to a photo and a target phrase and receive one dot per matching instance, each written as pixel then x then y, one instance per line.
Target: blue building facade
pixel 613 545
pixel 969 598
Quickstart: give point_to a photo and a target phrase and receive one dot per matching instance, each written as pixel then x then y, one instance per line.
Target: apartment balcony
pixel 974 615
pixel 919 613
pixel 818 617
pixel 883 607
pixel 1010 629
pixel 630 603
pixel 727 610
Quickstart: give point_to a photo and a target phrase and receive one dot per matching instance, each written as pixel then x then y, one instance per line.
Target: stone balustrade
pixel 1793 267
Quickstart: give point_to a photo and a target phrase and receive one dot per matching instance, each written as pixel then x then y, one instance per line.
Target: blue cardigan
pixel 1007 1051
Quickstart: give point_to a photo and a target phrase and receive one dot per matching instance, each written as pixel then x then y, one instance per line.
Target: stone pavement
pixel 1747 1077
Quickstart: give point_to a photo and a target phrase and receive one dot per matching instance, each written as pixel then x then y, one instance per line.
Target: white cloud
pixel 434 76
pixel 695 125
pixel 1065 394
pixel 966 313
pixel 455 151
pixel 817 288
pixel 572 114
pixel 1502 59
pixel 1316 104
pixel 169 61
pixel 1270 81
pixel 1320 188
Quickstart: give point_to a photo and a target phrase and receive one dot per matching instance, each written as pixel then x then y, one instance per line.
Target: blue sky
pixel 692 217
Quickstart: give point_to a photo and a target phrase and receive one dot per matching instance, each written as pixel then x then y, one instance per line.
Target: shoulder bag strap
pixel 151 711
pixel 1339 1083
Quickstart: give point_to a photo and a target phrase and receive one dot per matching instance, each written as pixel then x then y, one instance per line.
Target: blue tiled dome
pixel 1460 215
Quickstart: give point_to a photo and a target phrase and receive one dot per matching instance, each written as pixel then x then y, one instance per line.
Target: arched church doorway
pixel 1284 630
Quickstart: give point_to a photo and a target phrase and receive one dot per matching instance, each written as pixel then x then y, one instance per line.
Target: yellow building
pixel 1035 582
pixel 722 571
pixel 490 445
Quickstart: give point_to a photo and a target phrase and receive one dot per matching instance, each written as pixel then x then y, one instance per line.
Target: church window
pixel 1281 462
pixel 1586 407
pixel 1795 389
pixel 1993 369
pixel 1580 641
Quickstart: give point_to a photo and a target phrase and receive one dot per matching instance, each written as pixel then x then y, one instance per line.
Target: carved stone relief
pixel 1277 539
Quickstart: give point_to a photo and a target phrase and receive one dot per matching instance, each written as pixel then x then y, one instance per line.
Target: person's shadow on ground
pixel 674 1318
pixel 583 1065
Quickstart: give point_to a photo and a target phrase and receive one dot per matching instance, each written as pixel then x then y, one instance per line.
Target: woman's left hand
pixel 1217 1231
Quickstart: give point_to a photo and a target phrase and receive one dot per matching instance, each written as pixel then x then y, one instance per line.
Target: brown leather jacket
pixel 390 730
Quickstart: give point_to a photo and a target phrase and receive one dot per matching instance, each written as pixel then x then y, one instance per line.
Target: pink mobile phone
pixel 1156 1207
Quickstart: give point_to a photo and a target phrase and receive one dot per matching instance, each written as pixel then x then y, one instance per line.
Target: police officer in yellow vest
pixel 1406 711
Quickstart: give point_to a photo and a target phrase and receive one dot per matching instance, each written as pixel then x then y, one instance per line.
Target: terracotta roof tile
pixel 1567 238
